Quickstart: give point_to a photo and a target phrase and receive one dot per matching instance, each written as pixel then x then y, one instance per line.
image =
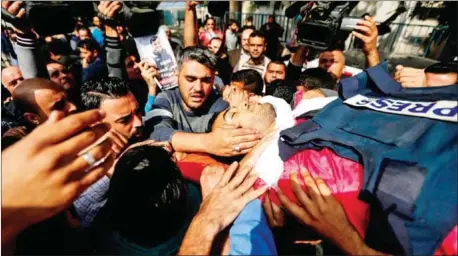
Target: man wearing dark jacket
pixel 94 68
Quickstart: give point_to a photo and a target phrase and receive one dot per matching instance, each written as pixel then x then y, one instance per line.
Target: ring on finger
pixel 237 148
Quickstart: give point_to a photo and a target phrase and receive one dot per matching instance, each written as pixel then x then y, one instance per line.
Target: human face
pixel 270 19
pixel 168 33
pixel 60 75
pixel 124 115
pixel 274 72
pixel 96 21
pixel 257 47
pixel 195 84
pixel 214 45
pixel 234 27
pixel 90 56
pixel 83 34
pixel 48 100
pixel 11 78
pixel 245 37
pixel 133 72
pixel 333 62
pixel 210 25
pixel 247 115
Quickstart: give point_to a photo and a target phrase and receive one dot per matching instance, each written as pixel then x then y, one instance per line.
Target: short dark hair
pixel 94 92
pixel 200 54
pixel 85 28
pixel 89 44
pixel 251 79
pixel 147 197
pixel 317 78
pixel 277 62
pixel 250 18
pixel 283 89
pixel 257 33
pixel 210 18
pixel 232 21
pixel 58 47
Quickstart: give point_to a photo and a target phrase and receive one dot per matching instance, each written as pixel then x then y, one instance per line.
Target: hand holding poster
pixel 156 50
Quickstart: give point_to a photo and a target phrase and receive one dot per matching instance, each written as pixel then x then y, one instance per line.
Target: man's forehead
pixel 194 68
pixel 275 66
pixel 121 106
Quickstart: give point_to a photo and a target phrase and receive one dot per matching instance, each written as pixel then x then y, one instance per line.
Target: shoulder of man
pixel 168 97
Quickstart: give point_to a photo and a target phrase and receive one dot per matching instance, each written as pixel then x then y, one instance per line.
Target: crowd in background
pixel 255 152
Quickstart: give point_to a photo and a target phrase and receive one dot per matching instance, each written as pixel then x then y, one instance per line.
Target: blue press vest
pixel 410 162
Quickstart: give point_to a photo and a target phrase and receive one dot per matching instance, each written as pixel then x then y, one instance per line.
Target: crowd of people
pixel 282 158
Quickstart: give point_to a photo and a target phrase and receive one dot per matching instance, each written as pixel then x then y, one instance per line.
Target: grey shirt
pixel 168 115
pixel 231 40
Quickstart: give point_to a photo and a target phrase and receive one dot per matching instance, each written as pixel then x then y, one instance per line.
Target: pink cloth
pixel 206 36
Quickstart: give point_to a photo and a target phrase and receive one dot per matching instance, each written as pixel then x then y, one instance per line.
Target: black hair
pixel 277 62
pixel 251 79
pixel 58 47
pixel 89 44
pixel 200 54
pixel 250 18
pixel 316 78
pixel 232 21
pixel 94 92
pixel 257 33
pixel 147 196
pixel 210 18
pixel 281 89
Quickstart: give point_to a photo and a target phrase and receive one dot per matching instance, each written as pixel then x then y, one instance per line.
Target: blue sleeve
pixel 250 234
pixel 149 103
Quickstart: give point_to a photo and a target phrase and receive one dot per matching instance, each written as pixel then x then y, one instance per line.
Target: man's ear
pixel 32 118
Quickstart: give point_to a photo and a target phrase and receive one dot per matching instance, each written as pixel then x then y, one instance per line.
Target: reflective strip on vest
pixel 439 110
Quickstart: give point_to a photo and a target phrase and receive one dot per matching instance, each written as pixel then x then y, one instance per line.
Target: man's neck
pixel 256 61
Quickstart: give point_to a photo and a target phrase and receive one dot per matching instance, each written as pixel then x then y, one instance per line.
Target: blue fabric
pixel 417 152
pixel 95 71
pixel 91 201
pixel 97 34
pixel 250 234
pixel 149 103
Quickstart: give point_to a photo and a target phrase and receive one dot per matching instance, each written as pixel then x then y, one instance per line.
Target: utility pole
pixel 235 10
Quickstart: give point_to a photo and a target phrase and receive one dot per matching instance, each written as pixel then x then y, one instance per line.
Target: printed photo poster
pixel 156 50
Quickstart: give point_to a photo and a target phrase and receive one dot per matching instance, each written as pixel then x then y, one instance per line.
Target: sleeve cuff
pixel 112 42
pixel 27 40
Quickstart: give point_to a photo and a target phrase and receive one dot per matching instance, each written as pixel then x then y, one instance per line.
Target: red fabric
pixel 344 178
pixel 192 165
pixel 450 244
